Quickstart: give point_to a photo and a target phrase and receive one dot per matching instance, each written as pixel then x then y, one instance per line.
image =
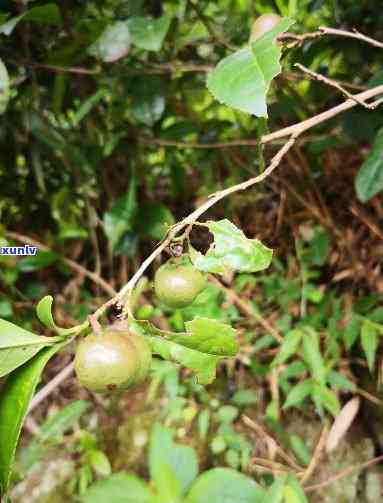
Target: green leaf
pixel 293 491
pixel 313 356
pixel 148 33
pixel 323 396
pixel 300 449
pixel 289 346
pixel 224 484
pixel 245 397
pixel 99 462
pixel 369 180
pixel 208 336
pixel 14 336
pixel 4 87
pixel 298 393
pixel 119 219
pixel 118 488
pixel 48 14
pixel 154 220
pixel 148 101
pixel 231 250
pixel 369 340
pixel 40 261
pixel 274 493
pixel 14 400
pixel 202 364
pixel 242 80
pixel 351 332
pixel 178 462
pixel 44 311
pixel 11 358
pixel 113 44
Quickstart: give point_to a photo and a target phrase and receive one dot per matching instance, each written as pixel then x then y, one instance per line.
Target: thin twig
pixel 247 309
pixel 54 383
pixel 354 34
pixel 316 456
pixel 300 127
pixel 345 473
pixel 336 85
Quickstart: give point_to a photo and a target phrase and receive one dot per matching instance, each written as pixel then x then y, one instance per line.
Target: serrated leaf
pixel 148 33
pixel 204 365
pixel 14 401
pixel 289 346
pixel 298 393
pixel 113 44
pixel 243 79
pixel 208 336
pixel 369 180
pixel 369 340
pixel 231 250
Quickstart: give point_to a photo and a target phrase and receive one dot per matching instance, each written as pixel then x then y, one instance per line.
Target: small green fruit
pixel 177 282
pixel 112 360
pixel 263 24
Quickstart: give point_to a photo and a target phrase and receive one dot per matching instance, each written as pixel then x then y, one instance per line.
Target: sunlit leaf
pixel 242 80
pixel 231 250
pixel 113 44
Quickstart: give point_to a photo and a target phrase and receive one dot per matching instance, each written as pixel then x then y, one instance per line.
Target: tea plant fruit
pixel 263 24
pixel 177 282
pixel 115 359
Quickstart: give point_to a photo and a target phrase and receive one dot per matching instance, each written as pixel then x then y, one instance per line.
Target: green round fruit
pixel 145 358
pixel 263 24
pixel 108 361
pixel 177 282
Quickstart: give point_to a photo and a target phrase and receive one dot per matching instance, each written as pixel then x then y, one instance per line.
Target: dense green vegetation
pixel 206 191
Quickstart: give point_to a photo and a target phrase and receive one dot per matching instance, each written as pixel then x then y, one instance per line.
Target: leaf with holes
pixel 231 250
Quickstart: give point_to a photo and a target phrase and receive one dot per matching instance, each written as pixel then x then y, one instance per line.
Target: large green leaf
pixel 148 33
pixel 224 484
pixel 178 461
pixel 118 488
pixel 113 44
pixel 18 345
pixel 369 180
pixel 14 400
pixel 231 250
pixel 243 79
pixel 13 336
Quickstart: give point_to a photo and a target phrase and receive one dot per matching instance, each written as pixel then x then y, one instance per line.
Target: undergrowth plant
pixel 240 81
